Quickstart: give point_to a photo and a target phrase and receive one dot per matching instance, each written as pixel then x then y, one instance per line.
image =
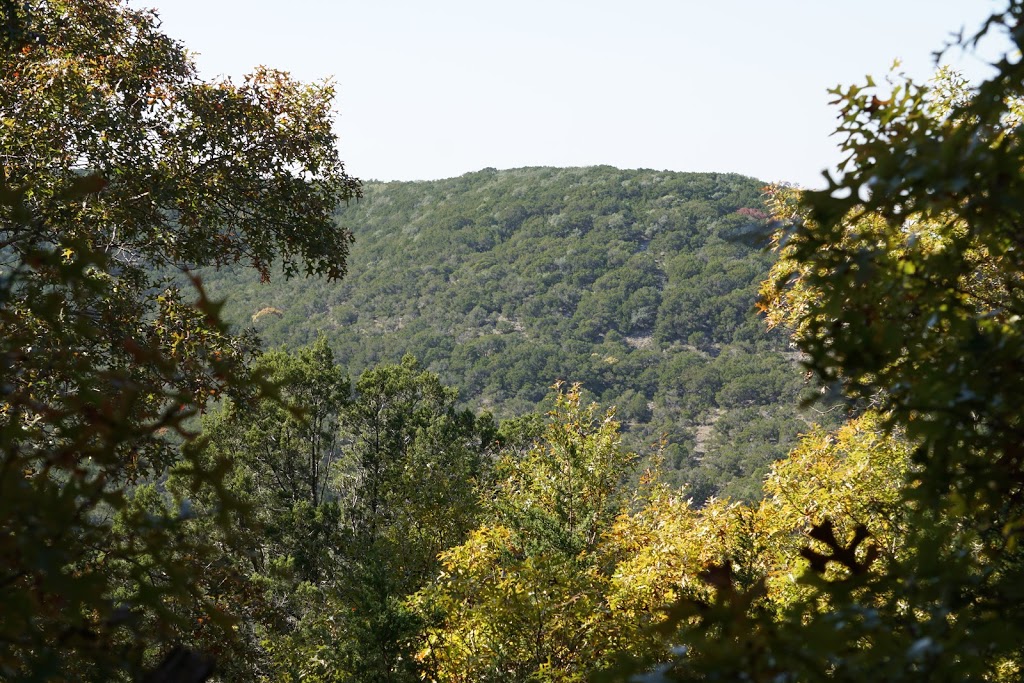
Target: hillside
pixel 638 284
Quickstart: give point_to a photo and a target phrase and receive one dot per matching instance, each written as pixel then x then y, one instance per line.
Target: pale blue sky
pixel 436 89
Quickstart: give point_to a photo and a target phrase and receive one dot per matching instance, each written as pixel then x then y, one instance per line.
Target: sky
pixel 436 89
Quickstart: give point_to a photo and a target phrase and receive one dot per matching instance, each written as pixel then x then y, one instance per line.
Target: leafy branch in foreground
pixel 902 281
pixel 119 162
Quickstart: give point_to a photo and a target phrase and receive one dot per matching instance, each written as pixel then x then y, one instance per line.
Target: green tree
pixel 523 598
pixel 396 468
pixel 277 563
pixel 410 491
pixel 282 451
pixel 903 283
pixel 119 163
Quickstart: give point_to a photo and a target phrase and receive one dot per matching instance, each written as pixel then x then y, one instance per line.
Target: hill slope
pixel 638 284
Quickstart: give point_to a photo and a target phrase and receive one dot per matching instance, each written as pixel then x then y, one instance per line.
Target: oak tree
pixel 120 164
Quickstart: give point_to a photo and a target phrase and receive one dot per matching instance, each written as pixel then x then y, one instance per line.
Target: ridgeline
pixel 638 284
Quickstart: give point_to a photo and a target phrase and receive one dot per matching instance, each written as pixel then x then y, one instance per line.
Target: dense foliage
pixel 118 162
pixel 640 285
pixel 324 529
pixel 903 283
pixel 537 565
pixel 352 500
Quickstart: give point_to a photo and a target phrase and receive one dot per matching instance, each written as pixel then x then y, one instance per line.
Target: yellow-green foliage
pixel 850 477
pixel 524 597
pixel 568 575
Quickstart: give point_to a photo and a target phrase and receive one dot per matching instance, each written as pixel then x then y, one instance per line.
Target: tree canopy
pixel 120 163
pixel 902 281
pixel 638 284
pixel 320 529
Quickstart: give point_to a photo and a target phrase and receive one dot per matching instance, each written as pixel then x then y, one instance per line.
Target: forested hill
pixel 638 284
